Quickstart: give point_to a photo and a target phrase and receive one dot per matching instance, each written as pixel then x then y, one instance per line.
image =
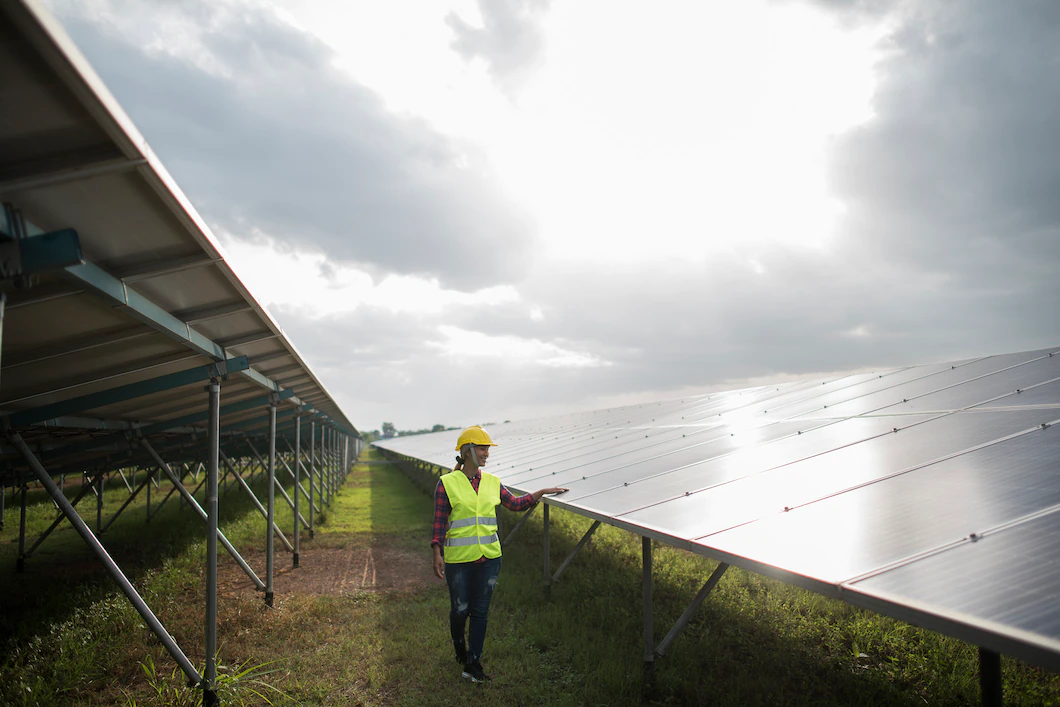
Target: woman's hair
pixel 460 459
pixel 463 455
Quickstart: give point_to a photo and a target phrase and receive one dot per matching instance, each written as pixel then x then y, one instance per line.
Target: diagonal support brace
pixel 202 514
pixel 130 499
pixel 679 626
pixel 85 488
pixel 301 465
pixel 261 509
pixel 520 523
pixel 276 482
pixel 101 552
pixel 577 548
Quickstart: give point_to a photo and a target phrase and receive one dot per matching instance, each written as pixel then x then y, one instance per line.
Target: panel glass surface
pixel 797 484
pixel 1048 394
pixel 873 385
pixel 685 513
pixel 1003 383
pixel 536 451
pixel 1011 577
pixel 923 386
pixel 632 473
pixel 746 403
pixel 660 457
pixel 847 535
pixel 608 453
pixel 778 396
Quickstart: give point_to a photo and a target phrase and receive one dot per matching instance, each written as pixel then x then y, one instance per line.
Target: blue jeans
pixel 471 587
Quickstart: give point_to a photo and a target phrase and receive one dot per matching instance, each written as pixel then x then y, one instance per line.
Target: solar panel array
pixel 88 346
pixel 117 308
pixel 930 493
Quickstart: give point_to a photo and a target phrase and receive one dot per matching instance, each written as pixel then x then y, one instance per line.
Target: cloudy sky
pixel 467 211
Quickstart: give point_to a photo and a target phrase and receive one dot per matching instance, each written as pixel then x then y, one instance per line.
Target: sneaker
pixel 473 671
pixel 461 653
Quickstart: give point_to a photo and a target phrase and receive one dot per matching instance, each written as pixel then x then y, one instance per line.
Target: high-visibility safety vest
pixel 472 529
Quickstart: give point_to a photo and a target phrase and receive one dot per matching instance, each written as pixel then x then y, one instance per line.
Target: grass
pixel 75 640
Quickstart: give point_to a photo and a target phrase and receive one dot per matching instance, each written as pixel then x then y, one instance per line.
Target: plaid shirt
pixel 442 508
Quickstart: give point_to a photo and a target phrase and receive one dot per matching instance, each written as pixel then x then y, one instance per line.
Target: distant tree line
pixel 389 430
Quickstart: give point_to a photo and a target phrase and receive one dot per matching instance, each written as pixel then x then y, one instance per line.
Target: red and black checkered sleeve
pixel 515 503
pixel 442 509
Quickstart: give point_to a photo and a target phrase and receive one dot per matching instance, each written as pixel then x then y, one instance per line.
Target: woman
pixel 465 523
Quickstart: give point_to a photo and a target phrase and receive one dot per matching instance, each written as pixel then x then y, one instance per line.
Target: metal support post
pixel 577 548
pixel 99 503
pixel 990 686
pixel 276 482
pixel 3 501
pixel 322 468
pixel 546 550
pixel 213 451
pixel 271 506
pixel 297 484
pixel 325 465
pixel 20 563
pixel 329 461
pixel 179 486
pixel 150 478
pixel 679 626
pixel 127 588
pixel 165 498
pixel 325 482
pixel 313 509
pixel 257 504
pixel 291 503
pixel 649 629
pixel 302 468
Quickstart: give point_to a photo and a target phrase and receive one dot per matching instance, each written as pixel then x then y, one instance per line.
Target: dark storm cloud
pixel 283 142
pixel 968 116
pixel 510 41
pixel 956 179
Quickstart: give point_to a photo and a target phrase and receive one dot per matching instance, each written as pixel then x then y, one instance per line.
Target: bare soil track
pixel 379 566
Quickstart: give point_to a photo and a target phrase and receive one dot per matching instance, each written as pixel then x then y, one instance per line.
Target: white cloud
pixel 462 344
pixel 712 194
pixel 316 287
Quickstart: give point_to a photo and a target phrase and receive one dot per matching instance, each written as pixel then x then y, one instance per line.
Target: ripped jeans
pixel 471 587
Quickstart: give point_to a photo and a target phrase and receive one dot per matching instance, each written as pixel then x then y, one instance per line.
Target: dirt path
pixel 381 566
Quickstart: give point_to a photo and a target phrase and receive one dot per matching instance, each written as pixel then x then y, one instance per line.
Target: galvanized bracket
pixel 31 255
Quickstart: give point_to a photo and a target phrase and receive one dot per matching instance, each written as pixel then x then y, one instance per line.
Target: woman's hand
pixel 554 489
pixel 439 563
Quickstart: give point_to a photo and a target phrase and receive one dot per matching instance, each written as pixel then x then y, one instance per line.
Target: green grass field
pixel 70 638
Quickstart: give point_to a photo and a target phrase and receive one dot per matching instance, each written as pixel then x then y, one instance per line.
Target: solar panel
pixel 930 493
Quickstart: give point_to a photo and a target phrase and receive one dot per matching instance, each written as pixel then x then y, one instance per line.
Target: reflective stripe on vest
pixel 461 542
pixel 464 522
pixel 472 532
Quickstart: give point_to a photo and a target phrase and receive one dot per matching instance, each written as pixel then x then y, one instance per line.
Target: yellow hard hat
pixel 474 435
